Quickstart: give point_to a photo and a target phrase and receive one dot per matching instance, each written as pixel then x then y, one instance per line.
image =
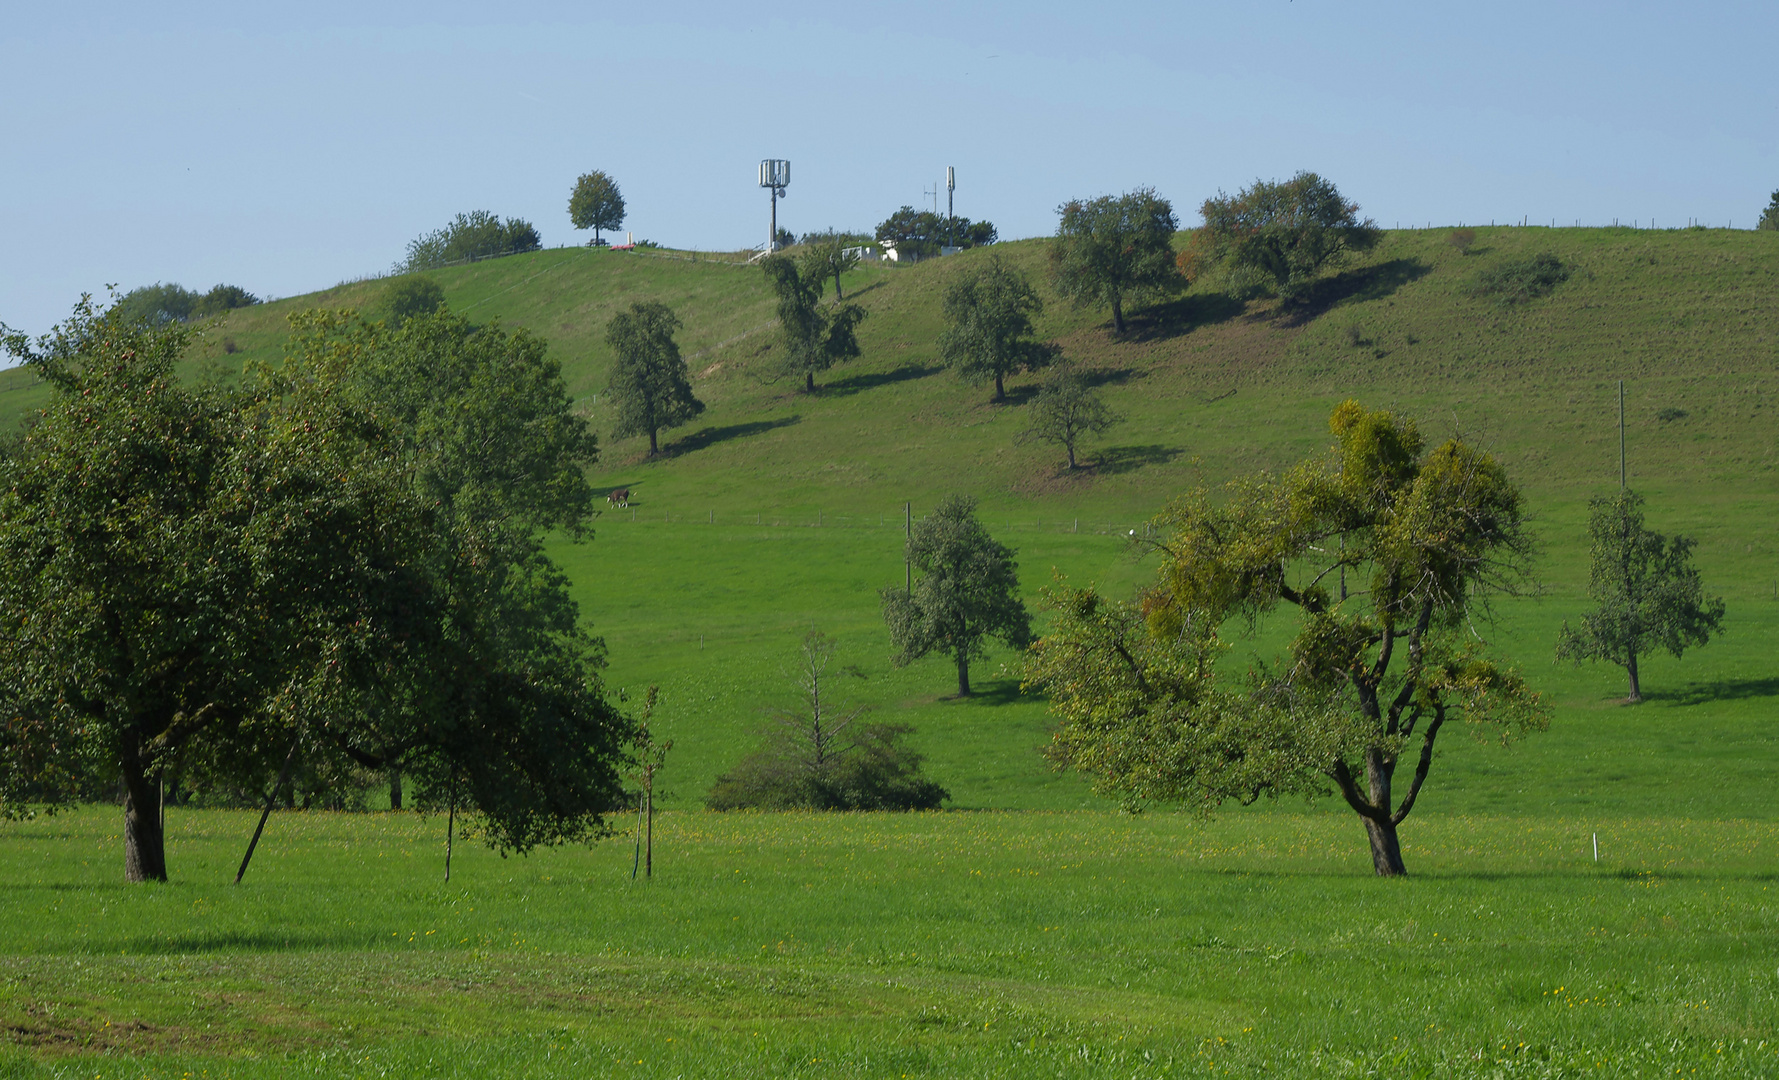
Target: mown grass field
pixel 945 944
pixel 1031 930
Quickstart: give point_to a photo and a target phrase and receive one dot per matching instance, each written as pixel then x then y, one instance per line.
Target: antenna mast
pixel 775 173
pixel 950 217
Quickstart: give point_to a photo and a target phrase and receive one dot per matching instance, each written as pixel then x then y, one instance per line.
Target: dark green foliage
pixel 1425 538
pixel 967 591
pixel 411 295
pixel 1520 280
pixel 823 756
pixel 160 304
pixel 990 310
pixel 1115 249
pixel 825 258
pixel 595 203
pixel 1769 218
pixel 341 561
pixel 912 233
pixel 475 235
pixel 1276 236
pixel 813 338
pixel 156 305
pixel 1649 593
pixel 650 388
pixel 836 236
pixel 1066 410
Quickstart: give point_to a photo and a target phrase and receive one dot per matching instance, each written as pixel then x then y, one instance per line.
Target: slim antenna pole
pixel 1621 434
pixel 907 535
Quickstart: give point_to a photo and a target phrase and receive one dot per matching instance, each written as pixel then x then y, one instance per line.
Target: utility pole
pixel 1621 434
pixel 907 537
pixel 950 216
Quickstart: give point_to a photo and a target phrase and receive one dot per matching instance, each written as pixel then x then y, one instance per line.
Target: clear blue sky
pixel 285 149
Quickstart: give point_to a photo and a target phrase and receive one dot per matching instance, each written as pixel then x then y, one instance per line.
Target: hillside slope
pixel 779 510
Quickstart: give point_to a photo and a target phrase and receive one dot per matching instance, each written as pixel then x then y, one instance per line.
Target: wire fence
pixel 895 519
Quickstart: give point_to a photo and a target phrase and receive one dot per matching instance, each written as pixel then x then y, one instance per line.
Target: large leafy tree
pixel 967 592
pixel 828 257
pixel 1373 675
pixel 1649 594
pixel 213 581
pixel 1114 250
pixel 650 388
pixel 595 203
pixel 990 309
pixel 1277 235
pixel 813 338
pixel 1769 218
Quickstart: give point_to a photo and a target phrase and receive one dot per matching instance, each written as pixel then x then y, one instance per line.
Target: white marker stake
pixel 1596 847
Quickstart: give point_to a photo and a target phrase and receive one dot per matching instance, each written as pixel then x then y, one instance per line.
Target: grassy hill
pixel 778 510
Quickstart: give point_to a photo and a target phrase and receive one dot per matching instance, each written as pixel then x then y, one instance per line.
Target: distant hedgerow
pixel 475 235
pixel 1522 279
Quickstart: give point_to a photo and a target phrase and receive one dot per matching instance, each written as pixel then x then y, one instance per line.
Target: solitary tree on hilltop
pixel 650 388
pixel 1115 249
pixel 814 339
pixel 991 309
pixel 968 591
pixel 1277 235
pixel 1649 594
pixel 1148 710
pixel 596 203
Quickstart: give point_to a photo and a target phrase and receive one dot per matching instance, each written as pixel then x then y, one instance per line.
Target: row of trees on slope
pixel 340 560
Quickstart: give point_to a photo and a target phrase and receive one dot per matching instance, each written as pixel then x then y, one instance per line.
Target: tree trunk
pixel 963 674
pixel 838 295
pixel 395 787
pixel 1000 390
pixel 145 851
pixel 1631 669
pixel 654 448
pixel 1118 315
pixel 1070 447
pixel 1386 852
pixel 809 382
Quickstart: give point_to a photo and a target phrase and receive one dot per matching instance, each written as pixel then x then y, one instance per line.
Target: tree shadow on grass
pixel 991 692
pixel 1717 690
pixel 1366 283
pixel 1158 322
pixel 705 438
pixel 1114 460
pixel 1094 377
pixel 858 384
pixel 242 941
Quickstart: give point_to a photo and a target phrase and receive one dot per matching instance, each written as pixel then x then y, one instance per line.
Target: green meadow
pixel 1031 929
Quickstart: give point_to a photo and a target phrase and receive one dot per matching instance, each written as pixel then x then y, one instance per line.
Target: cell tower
pixel 775 173
pixel 950 186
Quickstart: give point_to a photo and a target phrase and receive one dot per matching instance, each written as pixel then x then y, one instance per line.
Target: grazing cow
pixel 619 498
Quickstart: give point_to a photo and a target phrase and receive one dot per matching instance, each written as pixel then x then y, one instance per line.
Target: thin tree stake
pixel 450 826
pixel 283 775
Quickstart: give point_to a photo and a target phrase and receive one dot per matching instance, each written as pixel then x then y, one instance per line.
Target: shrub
pixel 1522 279
pixel 1462 239
pixel 157 304
pixel 821 756
pixel 475 235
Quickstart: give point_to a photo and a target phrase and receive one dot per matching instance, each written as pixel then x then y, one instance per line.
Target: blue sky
pixel 285 148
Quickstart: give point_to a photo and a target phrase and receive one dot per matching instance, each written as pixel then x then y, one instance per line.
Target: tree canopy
pixel 967 591
pixel 1114 250
pixel 1649 594
pixel 1276 236
pixel 828 257
pixel 650 388
pixel 475 235
pixel 595 203
pixel 159 304
pixel 1065 411
pixel 1372 676
pixel 411 295
pixel 813 338
pixel 990 310
pixel 1769 218
pixel 921 233
pixel 217 580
